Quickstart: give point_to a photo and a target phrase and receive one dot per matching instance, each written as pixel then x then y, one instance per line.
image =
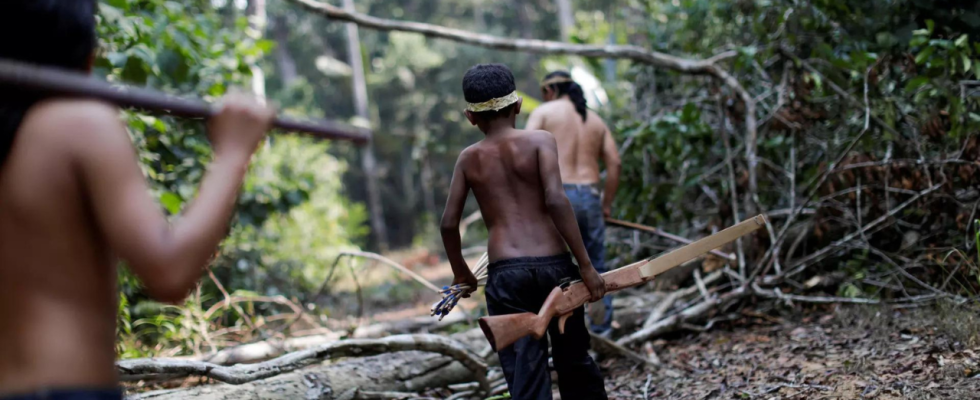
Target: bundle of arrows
pixel 452 294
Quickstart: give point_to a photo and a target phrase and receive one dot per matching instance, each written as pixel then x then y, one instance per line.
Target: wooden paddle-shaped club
pixel 18 78
pixel 503 330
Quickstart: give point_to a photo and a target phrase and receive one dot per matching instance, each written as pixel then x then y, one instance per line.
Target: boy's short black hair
pixel 483 82
pixel 50 33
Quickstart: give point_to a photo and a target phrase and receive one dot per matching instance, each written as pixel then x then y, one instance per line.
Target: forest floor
pixel 855 352
pixel 825 352
pixel 850 353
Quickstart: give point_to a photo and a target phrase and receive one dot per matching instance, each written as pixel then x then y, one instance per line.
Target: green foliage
pixel 289 250
pixel 291 217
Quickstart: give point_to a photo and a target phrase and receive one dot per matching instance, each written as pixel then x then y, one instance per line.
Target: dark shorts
pixel 587 204
pixel 68 394
pixel 519 285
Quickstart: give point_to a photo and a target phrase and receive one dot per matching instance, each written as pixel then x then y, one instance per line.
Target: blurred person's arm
pixel 167 257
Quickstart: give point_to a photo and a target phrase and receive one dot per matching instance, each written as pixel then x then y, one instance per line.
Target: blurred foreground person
pixel 73 198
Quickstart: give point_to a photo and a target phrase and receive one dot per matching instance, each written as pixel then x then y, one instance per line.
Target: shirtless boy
pixel 582 140
pixel 72 198
pixel 514 175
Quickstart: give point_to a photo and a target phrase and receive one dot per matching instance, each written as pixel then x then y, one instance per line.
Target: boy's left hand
pixel 468 280
pixel 594 282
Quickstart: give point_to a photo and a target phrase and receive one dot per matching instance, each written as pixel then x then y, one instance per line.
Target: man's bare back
pixel 505 175
pixel 72 198
pixel 580 143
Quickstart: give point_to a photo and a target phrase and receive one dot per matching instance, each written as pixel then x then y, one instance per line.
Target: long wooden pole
pixel 35 80
pixel 661 233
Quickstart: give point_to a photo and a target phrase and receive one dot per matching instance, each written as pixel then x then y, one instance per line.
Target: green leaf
pixel 967 63
pixel 924 55
pixel 916 83
pixel 962 41
pixel 171 202
pixel 118 4
pixel 817 81
pixel 930 25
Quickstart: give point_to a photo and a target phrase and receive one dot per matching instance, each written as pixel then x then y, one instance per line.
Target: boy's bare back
pixel 506 175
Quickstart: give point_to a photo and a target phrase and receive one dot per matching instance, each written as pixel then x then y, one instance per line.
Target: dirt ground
pixel 850 353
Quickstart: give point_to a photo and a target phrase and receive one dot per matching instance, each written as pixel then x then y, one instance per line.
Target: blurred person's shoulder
pixel 70 120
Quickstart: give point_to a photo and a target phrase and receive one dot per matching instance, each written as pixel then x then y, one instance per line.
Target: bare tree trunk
pixel 285 60
pixel 257 22
pixel 429 199
pixel 368 162
pixel 478 17
pixel 526 26
pixel 610 64
pixel 566 18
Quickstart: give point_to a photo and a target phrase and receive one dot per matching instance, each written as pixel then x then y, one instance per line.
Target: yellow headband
pixel 557 79
pixel 494 104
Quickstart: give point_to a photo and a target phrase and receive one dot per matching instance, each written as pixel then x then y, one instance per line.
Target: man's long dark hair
pixel 50 33
pixel 571 89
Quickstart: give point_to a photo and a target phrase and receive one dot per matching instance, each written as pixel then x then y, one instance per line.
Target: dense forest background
pixel 865 155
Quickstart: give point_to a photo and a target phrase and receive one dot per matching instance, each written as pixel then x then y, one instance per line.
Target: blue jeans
pixel 587 204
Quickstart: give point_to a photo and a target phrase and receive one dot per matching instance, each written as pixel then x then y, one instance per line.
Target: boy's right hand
pixel 239 125
pixel 594 282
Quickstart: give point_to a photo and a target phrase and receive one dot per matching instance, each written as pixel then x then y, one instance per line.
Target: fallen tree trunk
pixel 239 374
pixel 407 371
pixel 393 372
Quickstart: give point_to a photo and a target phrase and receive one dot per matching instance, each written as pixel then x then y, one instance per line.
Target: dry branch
pixel 668 301
pixel 800 264
pixel 658 232
pixel 139 369
pixel 384 260
pixel 675 321
pixel 610 348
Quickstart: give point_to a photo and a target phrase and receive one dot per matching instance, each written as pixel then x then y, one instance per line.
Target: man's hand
pixel 239 126
pixel 607 210
pixel 595 283
pixel 467 279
